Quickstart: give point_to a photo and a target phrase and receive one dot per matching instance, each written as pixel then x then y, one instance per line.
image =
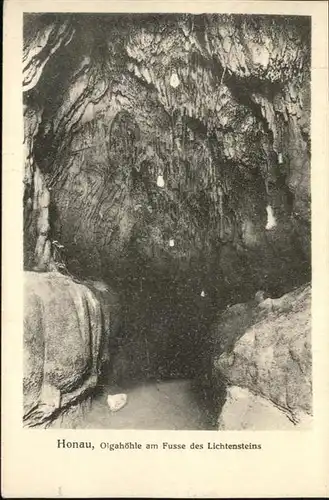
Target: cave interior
pixel 168 155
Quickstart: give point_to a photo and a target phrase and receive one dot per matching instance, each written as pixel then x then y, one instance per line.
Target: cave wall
pixel 261 354
pixel 219 105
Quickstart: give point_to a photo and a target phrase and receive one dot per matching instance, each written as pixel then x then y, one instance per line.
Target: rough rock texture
pixel 265 347
pixel 219 105
pixel 216 106
pixel 67 328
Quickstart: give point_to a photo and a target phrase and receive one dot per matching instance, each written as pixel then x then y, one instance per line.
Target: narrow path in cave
pixel 158 358
pixel 165 405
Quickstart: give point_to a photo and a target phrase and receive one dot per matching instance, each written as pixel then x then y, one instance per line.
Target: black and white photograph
pixel 167 221
pixel 165 271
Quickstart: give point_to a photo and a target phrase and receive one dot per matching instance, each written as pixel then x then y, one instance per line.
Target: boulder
pixel 244 410
pixel 67 326
pixel 263 354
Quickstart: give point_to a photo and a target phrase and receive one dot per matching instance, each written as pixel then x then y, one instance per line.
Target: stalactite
pixel 215 93
pixel 221 212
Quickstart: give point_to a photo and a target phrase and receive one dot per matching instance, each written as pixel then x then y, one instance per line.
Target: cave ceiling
pixel 168 139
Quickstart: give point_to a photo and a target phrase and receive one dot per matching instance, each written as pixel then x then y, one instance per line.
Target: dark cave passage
pixel 164 335
pixel 161 354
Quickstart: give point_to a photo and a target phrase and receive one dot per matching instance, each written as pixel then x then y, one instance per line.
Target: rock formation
pixel 263 353
pixel 230 137
pixel 67 331
pixel 169 156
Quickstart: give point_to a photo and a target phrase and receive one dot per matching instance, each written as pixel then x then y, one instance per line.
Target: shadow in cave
pixel 163 342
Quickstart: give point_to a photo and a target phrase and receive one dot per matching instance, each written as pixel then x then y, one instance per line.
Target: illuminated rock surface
pixel 168 156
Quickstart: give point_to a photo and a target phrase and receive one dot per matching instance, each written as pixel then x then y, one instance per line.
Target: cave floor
pixel 165 405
